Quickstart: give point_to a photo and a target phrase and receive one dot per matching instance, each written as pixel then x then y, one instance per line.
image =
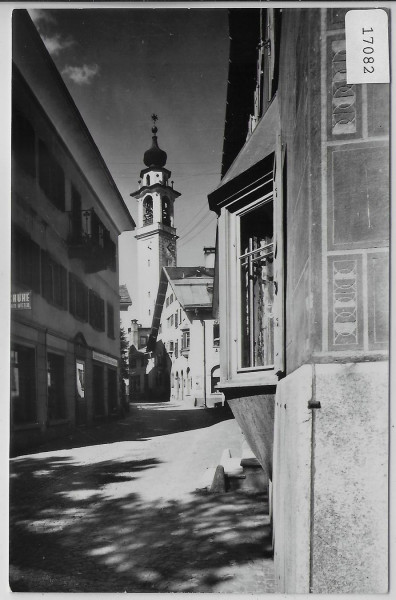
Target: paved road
pixel 114 509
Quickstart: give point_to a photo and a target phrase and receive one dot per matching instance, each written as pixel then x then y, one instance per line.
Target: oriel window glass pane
pixel 256 257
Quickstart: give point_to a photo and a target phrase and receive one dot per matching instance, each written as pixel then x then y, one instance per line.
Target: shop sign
pixel 105 359
pixel 21 300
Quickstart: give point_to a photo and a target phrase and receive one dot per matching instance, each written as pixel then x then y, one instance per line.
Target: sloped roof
pixel 193 286
pixel 125 299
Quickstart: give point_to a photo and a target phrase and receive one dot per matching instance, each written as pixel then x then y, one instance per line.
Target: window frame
pixel 267 199
pixel 110 321
pixel 246 198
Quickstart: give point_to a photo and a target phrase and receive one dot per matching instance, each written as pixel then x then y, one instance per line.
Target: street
pixel 114 508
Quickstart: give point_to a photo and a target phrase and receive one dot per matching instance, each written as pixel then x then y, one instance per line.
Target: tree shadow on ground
pixel 143 421
pixel 80 538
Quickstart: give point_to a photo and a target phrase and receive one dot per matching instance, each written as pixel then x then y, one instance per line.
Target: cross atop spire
pixel 154 119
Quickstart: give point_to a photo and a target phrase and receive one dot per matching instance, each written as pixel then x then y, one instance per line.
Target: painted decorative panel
pixel 344 103
pixel 358 211
pixel 378 109
pixel 378 300
pixel 345 303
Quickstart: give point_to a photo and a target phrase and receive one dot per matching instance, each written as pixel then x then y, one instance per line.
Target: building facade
pixel 185 338
pixel 303 239
pixel 66 217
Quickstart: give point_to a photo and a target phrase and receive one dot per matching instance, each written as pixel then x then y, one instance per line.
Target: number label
pixel 367 54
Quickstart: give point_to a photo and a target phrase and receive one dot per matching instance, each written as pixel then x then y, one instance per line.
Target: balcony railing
pixel 90 241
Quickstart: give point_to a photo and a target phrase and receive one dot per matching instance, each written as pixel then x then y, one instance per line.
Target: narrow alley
pixel 114 508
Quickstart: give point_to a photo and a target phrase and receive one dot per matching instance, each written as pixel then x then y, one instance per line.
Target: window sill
pixel 250 379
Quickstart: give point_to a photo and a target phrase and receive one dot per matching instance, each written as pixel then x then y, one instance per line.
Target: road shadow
pixel 144 421
pixel 78 538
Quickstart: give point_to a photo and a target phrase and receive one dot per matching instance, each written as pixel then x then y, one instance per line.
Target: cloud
pixel 81 75
pixel 57 43
pixel 42 16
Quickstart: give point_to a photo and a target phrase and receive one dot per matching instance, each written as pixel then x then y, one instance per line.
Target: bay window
pixel 256 284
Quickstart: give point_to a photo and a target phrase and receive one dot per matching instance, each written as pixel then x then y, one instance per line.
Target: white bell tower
pixel 155 232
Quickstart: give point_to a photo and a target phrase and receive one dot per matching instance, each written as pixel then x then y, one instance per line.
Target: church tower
pixel 155 232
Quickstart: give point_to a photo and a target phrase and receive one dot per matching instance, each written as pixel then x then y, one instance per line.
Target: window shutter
pixel 271 57
pixel 279 301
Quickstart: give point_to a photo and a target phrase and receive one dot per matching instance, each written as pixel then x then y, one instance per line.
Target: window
pixel 186 340
pixel 171 320
pixel 56 386
pixel 23 142
pixel 51 177
pixel 177 319
pixel 167 301
pixel 166 211
pixel 147 210
pixel 176 349
pixel 23 385
pixel 78 298
pixel 25 257
pixel 216 335
pixel 76 215
pixel 142 341
pixel 96 311
pixel 110 251
pixel 274 16
pixel 171 299
pixel 171 346
pixel 110 321
pixel 160 328
pixel 256 258
pixel 53 281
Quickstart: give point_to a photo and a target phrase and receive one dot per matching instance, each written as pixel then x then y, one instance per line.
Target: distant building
pixel 125 299
pixel 185 339
pixel 302 288
pixel 155 233
pixel 66 217
pixel 138 360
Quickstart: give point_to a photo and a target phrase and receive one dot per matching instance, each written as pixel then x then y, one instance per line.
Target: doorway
pixel 98 390
pixel 112 391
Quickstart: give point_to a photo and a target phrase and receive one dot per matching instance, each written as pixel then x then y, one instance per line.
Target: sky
pixel 122 65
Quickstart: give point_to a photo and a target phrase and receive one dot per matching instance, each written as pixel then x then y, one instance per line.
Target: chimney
pixel 134 333
pixel 209 252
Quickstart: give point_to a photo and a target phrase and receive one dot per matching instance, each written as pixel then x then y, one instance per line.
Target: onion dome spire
pixel 154 157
